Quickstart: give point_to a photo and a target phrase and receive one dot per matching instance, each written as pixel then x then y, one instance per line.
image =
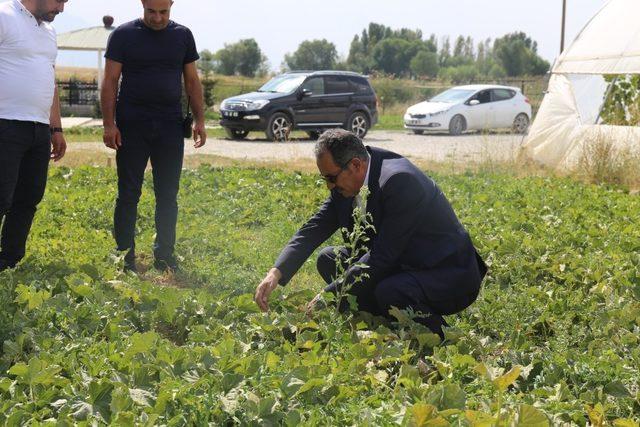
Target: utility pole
pixel 564 18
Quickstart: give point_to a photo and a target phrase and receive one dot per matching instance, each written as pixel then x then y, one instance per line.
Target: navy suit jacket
pixel 416 231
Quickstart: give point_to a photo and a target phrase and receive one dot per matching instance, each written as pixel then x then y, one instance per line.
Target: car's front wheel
pixel 520 124
pixel 279 127
pixel 358 124
pixel 457 125
pixel 236 133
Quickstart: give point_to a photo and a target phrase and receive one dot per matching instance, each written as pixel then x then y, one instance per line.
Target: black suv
pixel 309 101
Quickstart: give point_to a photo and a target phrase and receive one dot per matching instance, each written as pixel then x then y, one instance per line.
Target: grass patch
pixel 390 122
pixel 610 159
pixel 83 134
pixel 94 134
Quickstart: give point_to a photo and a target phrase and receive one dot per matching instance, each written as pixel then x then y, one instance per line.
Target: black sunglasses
pixel 333 178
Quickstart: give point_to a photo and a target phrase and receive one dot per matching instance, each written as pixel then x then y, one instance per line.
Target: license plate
pixel 413 122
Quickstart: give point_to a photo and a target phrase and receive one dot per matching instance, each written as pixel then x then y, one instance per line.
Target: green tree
pixel 242 58
pixel 468 48
pixel 425 63
pixel 459 47
pixel 433 43
pixel 359 59
pixel 206 66
pixel 497 72
pixel 313 55
pixel 460 74
pixel 518 55
pixel 445 52
pixel 393 55
pixel 377 33
pixel 206 63
pixel 463 52
pixel 372 50
pixel 486 62
pixel 381 48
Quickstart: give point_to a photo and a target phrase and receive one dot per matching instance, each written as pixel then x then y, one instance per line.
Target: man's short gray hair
pixel 343 146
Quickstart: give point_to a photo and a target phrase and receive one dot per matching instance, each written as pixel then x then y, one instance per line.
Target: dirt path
pixel 473 148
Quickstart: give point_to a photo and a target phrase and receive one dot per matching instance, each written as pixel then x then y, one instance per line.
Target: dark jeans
pixel 25 150
pixel 163 143
pixel 400 290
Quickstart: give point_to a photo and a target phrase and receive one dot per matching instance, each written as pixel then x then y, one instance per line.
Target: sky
pixel 279 26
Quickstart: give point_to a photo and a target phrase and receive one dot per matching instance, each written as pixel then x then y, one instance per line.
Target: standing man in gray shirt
pixel 30 126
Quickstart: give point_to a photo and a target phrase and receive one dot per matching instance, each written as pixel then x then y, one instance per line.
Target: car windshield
pixel 452 95
pixel 283 84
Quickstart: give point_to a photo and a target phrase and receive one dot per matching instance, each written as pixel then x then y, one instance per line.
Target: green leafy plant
pixel 622 105
pixel 355 247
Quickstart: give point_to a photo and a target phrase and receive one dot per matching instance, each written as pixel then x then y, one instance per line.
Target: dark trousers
pixel 25 151
pixel 401 290
pixel 161 142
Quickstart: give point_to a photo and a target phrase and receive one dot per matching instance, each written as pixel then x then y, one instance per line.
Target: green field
pixel 552 339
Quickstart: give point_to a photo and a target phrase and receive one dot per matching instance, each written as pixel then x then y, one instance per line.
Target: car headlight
pixel 235 104
pixel 256 105
pixel 439 113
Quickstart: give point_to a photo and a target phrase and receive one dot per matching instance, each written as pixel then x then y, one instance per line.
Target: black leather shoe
pixel 130 262
pixel 166 264
pixel 5 264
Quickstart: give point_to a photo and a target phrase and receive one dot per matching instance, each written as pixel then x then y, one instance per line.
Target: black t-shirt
pixel 152 65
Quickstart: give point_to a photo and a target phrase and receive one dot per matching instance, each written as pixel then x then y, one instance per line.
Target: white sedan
pixel 471 107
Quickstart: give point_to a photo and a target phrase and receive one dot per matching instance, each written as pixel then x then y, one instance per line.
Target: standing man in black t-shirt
pixel 143 120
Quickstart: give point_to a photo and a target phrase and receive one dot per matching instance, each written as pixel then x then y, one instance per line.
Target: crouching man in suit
pixel 418 257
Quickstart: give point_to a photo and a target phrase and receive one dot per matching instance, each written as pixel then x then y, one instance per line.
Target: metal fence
pixel 74 92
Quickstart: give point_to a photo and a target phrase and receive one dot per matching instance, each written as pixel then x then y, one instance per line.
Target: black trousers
pixel 401 290
pixel 161 142
pixel 25 151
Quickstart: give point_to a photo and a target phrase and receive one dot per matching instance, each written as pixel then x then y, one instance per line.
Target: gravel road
pixel 472 148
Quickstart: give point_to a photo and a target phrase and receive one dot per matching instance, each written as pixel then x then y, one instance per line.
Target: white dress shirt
pixel 357 200
pixel 28 53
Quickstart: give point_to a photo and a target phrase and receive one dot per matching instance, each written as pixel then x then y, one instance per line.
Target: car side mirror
pixel 474 102
pixel 306 92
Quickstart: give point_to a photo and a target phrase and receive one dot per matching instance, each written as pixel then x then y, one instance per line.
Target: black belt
pixel 29 122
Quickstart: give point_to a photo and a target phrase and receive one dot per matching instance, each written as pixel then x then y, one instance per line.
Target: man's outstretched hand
pixel 264 289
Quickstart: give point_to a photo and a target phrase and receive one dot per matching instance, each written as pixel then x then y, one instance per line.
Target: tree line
pixel 379 49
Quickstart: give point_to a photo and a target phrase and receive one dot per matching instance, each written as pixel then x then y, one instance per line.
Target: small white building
pixel 93 39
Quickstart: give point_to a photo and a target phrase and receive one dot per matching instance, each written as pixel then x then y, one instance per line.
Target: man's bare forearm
pixel 196 99
pixel 108 102
pixel 54 117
